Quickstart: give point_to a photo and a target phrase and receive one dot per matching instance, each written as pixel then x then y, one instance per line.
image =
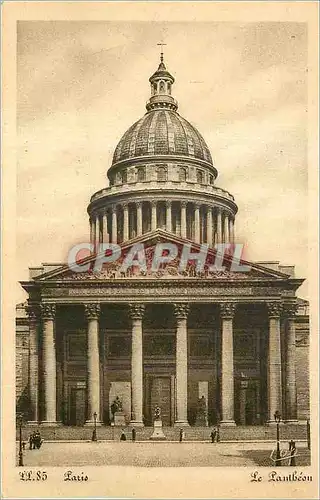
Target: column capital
pixel 183 204
pixel 48 311
pixel 227 310
pixel 125 205
pixel 196 205
pixel 33 311
pixel 274 309
pixel 138 204
pixel 289 310
pixel 168 203
pixel 154 203
pixel 114 207
pixel 181 311
pixel 92 311
pixel 136 311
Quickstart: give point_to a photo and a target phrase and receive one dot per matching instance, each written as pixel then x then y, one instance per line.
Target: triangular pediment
pixel 92 267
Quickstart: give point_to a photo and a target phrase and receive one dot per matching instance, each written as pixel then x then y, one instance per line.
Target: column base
pixel 136 423
pixel 181 423
pixel 291 421
pixel 227 423
pixel 48 423
pixel 91 423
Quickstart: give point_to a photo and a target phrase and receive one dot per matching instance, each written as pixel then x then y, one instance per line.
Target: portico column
pixel 227 370
pixel 226 229
pixel 105 234
pixel 153 215
pixel 168 217
pixel 197 223
pixel 139 218
pixel 92 312
pixel 209 226
pixel 183 219
pixel 181 314
pixel 219 226
pixel 274 362
pixel 290 364
pixel 33 314
pixel 48 312
pixel 114 235
pixel 136 313
pixel 125 222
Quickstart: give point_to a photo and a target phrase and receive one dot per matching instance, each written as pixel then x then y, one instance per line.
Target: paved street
pixel 156 454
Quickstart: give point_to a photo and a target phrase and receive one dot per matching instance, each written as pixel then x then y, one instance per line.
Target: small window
pixel 141 174
pixel 155 88
pixel 199 177
pixel 162 87
pixel 211 179
pixel 182 174
pixel 162 174
pixel 124 177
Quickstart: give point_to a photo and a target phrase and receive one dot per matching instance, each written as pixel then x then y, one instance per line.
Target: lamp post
pixel 94 433
pixel 20 422
pixel 277 417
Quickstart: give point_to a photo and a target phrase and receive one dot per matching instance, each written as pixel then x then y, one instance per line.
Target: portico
pixel 100 339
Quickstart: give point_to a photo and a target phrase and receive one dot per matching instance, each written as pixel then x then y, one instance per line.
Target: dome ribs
pixel 143 136
pixel 180 138
pixel 133 142
pixel 122 150
pixel 152 129
pixel 171 143
pixel 162 132
pixel 161 135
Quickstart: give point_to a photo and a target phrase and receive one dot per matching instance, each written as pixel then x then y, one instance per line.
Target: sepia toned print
pixel 162 305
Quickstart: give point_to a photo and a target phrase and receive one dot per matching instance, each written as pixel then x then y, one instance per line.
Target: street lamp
pixel 20 422
pixel 94 433
pixel 277 417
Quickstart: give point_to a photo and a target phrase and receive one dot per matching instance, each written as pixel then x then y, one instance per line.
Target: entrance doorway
pixel 247 402
pixel 159 393
pixel 77 406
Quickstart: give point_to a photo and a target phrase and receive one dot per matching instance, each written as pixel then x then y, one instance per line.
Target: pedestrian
pixel 292 450
pixel 23 445
pixel 133 434
pixel 123 436
pixel 213 435
pixel 181 435
pixel 31 441
pixel 37 440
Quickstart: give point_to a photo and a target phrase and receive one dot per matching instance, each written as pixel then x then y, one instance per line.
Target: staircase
pixel 106 433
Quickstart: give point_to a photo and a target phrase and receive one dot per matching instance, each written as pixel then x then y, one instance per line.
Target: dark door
pixel 77 406
pixel 161 396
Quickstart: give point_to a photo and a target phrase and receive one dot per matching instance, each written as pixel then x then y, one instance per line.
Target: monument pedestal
pixel 201 421
pixel 119 419
pixel 157 431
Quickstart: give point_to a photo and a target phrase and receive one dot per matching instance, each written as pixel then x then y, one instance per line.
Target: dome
pixel 162 132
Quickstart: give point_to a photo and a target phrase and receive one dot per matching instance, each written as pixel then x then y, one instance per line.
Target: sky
pixel 82 84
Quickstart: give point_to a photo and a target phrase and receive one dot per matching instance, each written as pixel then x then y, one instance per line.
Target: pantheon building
pixel 165 337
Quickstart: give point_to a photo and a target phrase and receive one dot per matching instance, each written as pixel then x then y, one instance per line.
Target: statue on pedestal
pixel 157 413
pixel 117 412
pixel 158 434
pixel 202 419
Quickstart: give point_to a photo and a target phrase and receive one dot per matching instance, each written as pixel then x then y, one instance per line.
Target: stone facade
pixel 168 336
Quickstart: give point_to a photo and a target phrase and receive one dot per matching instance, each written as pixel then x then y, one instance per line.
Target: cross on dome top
pixel 161 83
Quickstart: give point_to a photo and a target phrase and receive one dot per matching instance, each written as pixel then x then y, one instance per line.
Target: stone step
pixel 239 433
